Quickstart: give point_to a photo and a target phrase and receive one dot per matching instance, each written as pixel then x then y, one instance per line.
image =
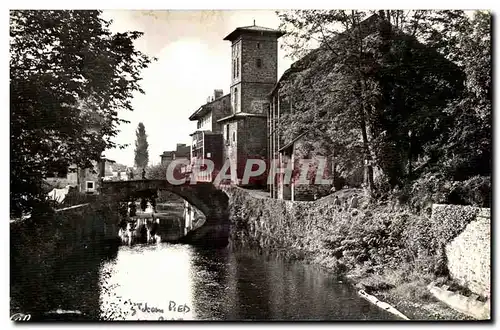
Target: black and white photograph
pixel 177 165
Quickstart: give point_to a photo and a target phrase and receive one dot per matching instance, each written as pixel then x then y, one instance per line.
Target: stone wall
pixel 252 141
pixel 468 254
pixel 254 97
pixel 280 223
pixel 264 48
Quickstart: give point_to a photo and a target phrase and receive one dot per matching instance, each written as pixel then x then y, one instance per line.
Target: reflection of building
pixel 192 217
pixel 207 139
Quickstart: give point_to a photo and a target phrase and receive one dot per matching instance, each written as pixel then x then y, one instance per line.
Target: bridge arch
pixel 212 202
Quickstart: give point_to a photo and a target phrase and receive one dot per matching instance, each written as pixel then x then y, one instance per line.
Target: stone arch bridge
pixel 212 202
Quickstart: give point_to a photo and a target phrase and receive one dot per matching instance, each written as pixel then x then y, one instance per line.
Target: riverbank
pixel 389 253
pixel 43 245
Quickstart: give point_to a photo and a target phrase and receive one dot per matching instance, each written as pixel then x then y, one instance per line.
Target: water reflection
pixel 144 282
pixel 180 281
pixel 166 281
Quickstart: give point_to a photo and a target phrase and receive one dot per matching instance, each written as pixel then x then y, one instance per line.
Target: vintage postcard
pixel 242 165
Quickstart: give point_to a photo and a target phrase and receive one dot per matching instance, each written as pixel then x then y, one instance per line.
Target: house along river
pixel 181 282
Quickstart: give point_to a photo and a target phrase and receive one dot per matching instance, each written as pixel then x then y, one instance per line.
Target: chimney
pixel 218 93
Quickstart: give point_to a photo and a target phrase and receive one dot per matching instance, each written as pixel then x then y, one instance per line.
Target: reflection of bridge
pixel 203 195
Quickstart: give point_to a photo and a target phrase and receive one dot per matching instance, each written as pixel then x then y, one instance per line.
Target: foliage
pixel 69 76
pixel 434 188
pixel 390 88
pixel 141 147
pixel 157 172
pixel 465 149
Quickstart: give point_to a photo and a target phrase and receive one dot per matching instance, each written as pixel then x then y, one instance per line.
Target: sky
pixel 193 60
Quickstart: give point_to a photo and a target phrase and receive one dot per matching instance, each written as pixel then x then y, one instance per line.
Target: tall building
pixel 207 139
pixel 254 63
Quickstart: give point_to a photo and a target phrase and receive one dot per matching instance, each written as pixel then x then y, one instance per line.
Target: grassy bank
pixel 388 252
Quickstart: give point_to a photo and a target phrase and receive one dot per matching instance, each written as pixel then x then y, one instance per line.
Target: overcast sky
pixel 193 60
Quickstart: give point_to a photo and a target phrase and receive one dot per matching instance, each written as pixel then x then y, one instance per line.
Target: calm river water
pixel 168 281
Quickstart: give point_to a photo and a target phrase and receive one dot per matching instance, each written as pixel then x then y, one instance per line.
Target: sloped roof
pixel 253 28
pixel 289 144
pixel 204 109
pixel 182 150
pixel 240 115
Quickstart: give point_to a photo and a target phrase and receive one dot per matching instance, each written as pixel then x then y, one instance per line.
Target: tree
pixel 157 172
pixel 141 147
pixel 371 82
pixel 465 148
pixel 69 77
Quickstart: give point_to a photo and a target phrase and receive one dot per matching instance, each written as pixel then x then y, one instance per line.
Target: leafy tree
pixel 69 77
pixel 157 172
pixel 141 147
pixel 372 86
pixel 465 148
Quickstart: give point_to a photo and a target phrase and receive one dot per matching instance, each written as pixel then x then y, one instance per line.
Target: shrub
pixel 434 188
pixel 475 191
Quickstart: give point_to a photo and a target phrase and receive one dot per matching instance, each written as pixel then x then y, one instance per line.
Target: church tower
pixel 254 71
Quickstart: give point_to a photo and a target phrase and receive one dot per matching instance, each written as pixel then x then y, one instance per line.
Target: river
pixel 174 281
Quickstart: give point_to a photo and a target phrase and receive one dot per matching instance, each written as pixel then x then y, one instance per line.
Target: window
pixel 227 131
pixel 234 136
pixel 209 155
pixel 90 185
pixel 235 99
pixel 259 63
pixel 237 67
pixel 258 45
pixel 234 68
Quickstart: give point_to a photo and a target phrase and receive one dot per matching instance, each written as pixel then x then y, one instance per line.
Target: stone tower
pixel 254 70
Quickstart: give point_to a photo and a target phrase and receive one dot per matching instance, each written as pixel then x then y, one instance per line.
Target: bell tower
pixel 254 67
pixel 254 72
